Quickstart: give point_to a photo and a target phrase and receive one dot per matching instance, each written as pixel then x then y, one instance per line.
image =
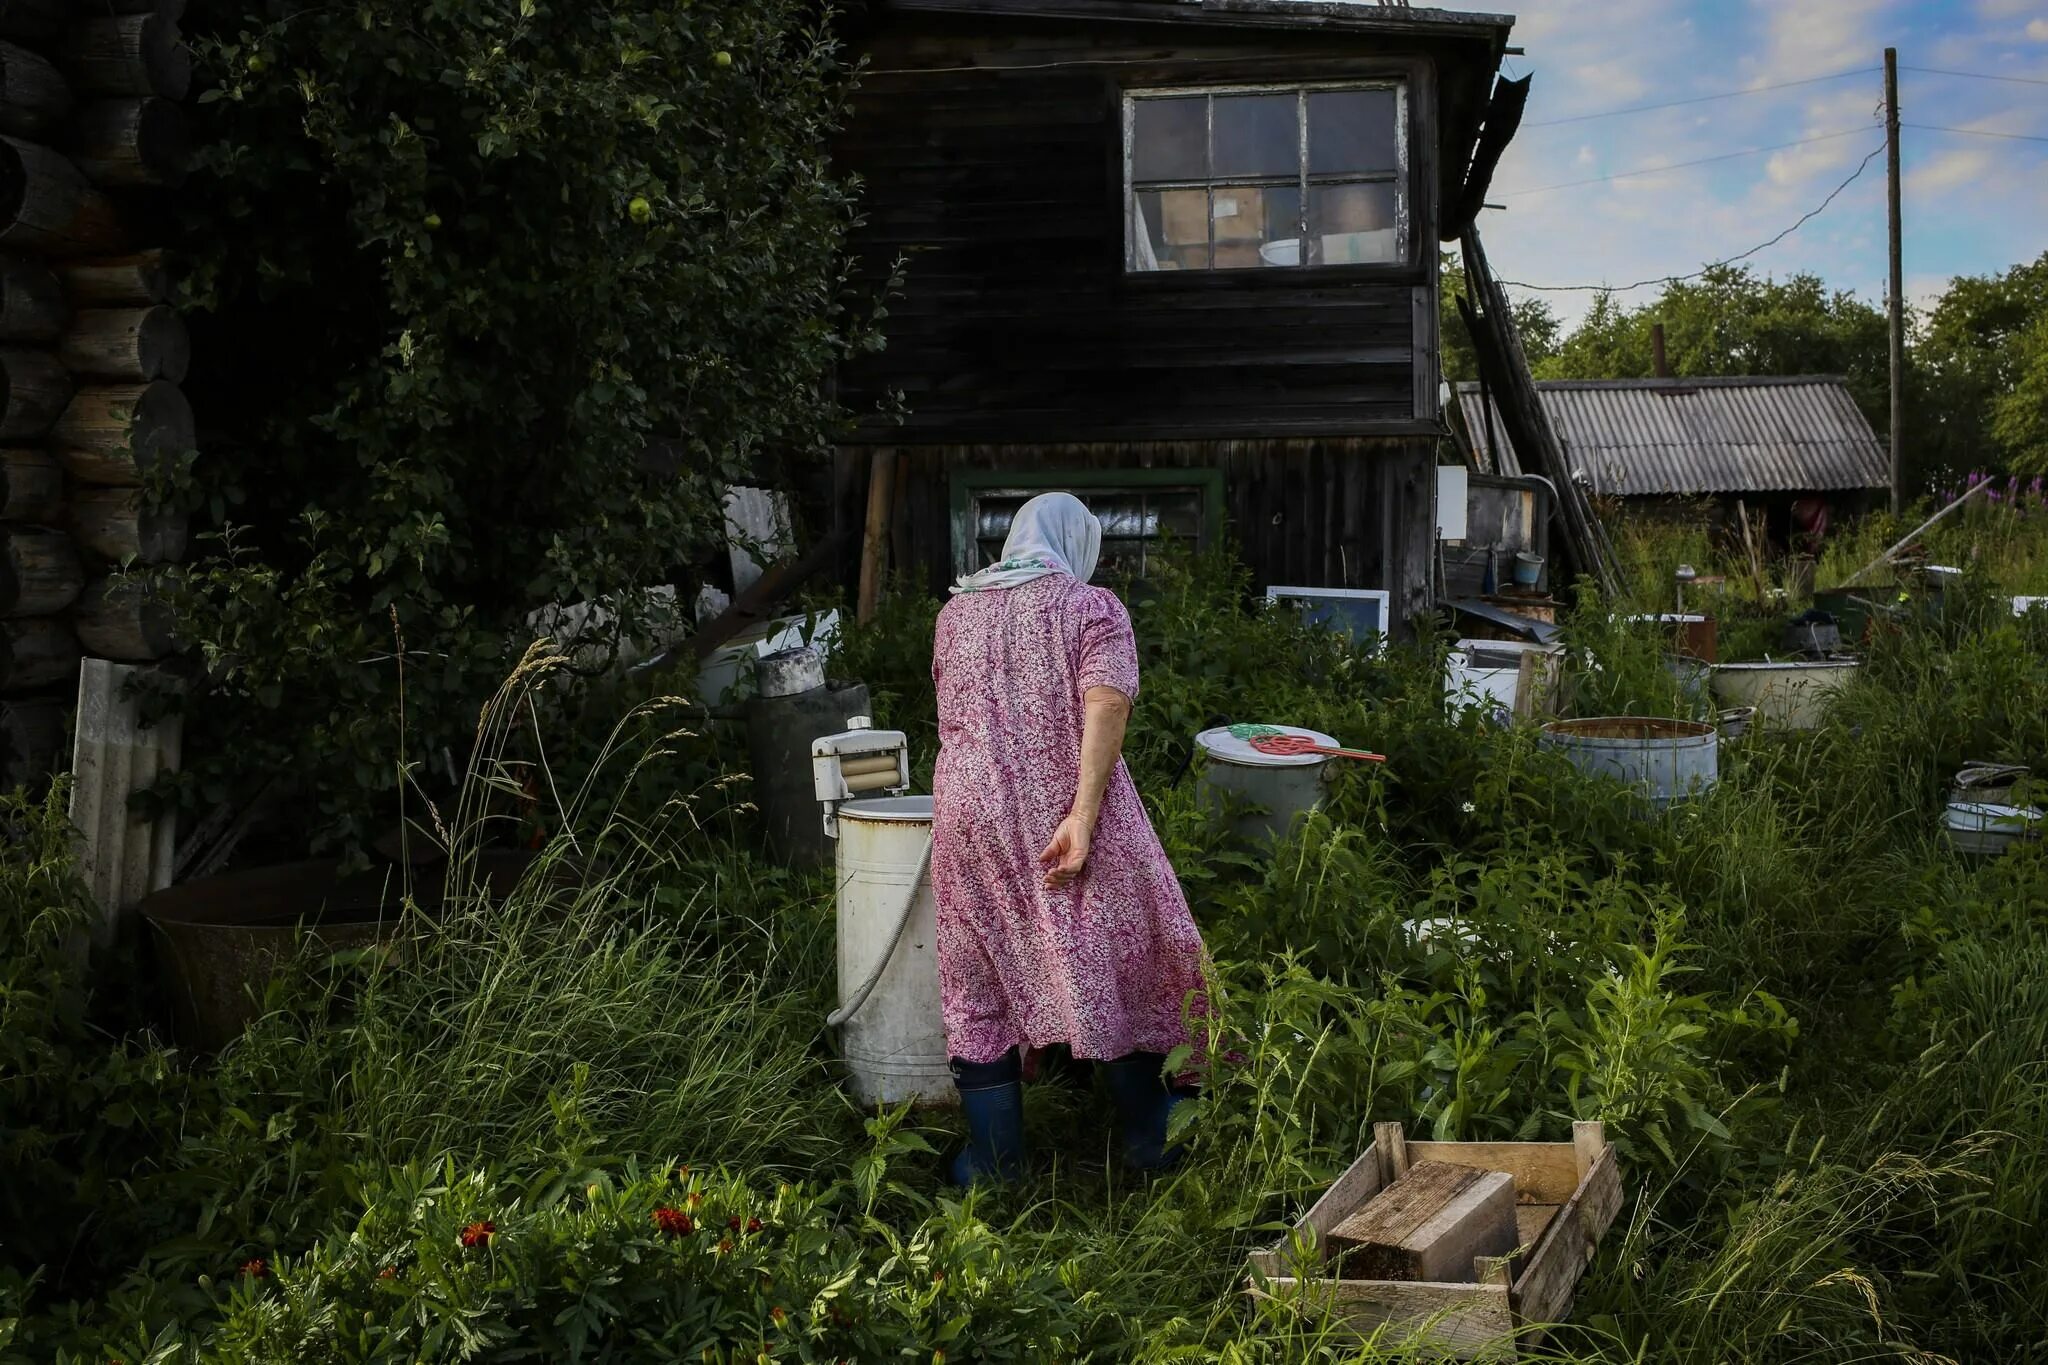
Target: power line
pixel 1806 218
pixel 1681 165
pixel 1701 99
pixel 1975 75
pixel 1976 132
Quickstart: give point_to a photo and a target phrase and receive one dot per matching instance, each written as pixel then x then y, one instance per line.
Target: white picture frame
pixel 1342 608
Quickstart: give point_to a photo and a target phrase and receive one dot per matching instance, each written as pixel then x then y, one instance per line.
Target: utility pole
pixel 1898 287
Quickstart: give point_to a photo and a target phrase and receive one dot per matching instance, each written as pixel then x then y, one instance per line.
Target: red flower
pixel 733 1224
pixel 388 1273
pixel 674 1222
pixel 938 1277
pixel 479 1234
pixel 256 1268
pixel 779 1315
pixel 753 1225
pixel 724 1245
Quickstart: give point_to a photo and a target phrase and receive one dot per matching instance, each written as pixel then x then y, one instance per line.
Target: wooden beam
pixel 131 141
pixel 128 54
pixel 48 207
pixel 121 617
pixel 36 652
pixel 31 486
pixel 874 545
pixel 116 434
pixel 116 526
pixel 34 97
pixel 135 344
pixel 40 572
pixel 116 281
pixel 32 304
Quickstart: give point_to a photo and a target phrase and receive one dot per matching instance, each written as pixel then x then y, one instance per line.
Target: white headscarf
pixel 1052 533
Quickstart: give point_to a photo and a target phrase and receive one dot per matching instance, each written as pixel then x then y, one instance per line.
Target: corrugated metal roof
pixel 1644 437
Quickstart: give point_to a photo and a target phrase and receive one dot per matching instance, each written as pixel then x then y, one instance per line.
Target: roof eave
pixel 1492 29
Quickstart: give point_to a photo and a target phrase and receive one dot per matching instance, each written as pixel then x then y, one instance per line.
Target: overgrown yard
pixel 599 1122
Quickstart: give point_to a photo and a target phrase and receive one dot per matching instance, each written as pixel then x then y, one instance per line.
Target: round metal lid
pixel 1225 747
pixel 908 810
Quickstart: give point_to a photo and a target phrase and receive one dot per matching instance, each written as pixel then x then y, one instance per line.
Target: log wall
pixel 91 356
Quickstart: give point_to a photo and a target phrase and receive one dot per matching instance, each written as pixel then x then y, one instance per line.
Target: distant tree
pixel 1731 322
pixel 1534 321
pixel 1980 366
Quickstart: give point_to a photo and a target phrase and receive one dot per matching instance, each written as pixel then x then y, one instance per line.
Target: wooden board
pixel 1544 1172
pixel 1544 1291
pixel 1360 1182
pixel 1430 1225
pixel 1473 1321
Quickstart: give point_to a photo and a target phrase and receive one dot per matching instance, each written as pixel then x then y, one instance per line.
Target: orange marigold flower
pixel 724 1244
pixel 479 1233
pixel 674 1222
pixel 388 1273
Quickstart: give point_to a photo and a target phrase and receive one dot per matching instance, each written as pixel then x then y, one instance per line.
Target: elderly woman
pixel 1060 920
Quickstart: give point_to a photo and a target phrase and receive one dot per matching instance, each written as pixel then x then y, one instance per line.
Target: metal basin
pixel 1664 760
pixel 1787 696
pixel 223 938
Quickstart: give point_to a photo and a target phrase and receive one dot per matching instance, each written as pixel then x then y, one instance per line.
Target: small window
pixel 1266 178
pixel 1141 511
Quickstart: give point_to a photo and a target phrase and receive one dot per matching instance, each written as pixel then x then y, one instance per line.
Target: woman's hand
pixel 1067 854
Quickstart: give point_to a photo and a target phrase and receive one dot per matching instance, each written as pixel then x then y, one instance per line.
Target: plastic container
pixel 1260 795
pixel 1486 674
pixel 1528 568
pixel 1663 760
pixel 894 1044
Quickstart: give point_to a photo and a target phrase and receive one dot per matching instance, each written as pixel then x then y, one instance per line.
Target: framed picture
pixel 1360 613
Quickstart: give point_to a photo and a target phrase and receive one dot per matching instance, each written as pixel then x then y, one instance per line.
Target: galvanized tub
pixel 1983 831
pixel 1260 795
pixel 1664 760
pixel 1794 695
pixel 223 938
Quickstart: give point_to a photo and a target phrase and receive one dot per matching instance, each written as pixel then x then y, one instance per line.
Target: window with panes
pixel 1266 177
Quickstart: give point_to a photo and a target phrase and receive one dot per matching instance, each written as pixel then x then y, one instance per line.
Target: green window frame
pixel 970 486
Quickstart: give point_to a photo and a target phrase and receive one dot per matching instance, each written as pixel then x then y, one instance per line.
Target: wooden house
pixel 1179 256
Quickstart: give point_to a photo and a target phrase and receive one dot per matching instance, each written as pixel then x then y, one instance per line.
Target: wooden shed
pixel 1179 256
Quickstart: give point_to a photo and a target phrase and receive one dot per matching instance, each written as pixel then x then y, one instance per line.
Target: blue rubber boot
pixel 1143 1104
pixel 992 1097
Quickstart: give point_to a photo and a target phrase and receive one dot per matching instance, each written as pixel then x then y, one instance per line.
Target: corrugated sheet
pixel 1645 437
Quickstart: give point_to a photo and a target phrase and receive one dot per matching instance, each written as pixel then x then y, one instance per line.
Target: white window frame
pixel 1398 177
pixel 1275 595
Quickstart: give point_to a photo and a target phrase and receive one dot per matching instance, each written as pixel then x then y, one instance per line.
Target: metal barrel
pixel 1664 760
pixel 895 1043
pixel 1787 696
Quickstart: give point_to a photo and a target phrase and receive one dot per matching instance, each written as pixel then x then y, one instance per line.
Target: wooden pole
pixel 1663 365
pixel 874 543
pixel 1898 303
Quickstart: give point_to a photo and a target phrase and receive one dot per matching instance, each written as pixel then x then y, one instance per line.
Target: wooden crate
pixel 1567 1196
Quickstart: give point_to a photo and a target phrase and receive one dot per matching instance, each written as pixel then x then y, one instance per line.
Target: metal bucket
pixel 1260 795
pixel 1786 696
pixel 1664 760
pixel 1980 830
pixel 223 938
pixel 895 1042
pixel 1735 722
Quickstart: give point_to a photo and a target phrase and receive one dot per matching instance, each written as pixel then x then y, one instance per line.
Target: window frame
pixel 1407 221
pixel 967 484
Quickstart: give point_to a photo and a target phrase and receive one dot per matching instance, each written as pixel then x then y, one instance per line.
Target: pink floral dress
pixel 1107 963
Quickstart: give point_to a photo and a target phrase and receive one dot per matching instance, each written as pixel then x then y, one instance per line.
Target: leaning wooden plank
pixel 1544 1172
pixel 1360 1182
pixel 1472 1321
pixel 1543 1295
pixel 1427 1226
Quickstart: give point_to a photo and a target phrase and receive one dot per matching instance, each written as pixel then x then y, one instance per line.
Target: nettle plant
pixel 495 295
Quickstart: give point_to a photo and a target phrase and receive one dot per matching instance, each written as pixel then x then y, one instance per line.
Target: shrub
pixel 573 267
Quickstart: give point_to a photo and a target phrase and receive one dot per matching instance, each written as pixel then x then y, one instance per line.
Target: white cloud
pixel 2038 30
pixel 1948 171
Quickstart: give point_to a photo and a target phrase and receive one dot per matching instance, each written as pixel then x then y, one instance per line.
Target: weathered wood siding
pixel 1325 511
pixel 1003 194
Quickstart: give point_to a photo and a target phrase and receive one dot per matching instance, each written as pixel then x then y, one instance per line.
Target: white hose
pixel 867 987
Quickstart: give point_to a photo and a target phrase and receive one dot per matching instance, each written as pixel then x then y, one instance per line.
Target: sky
pixel 1971 204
